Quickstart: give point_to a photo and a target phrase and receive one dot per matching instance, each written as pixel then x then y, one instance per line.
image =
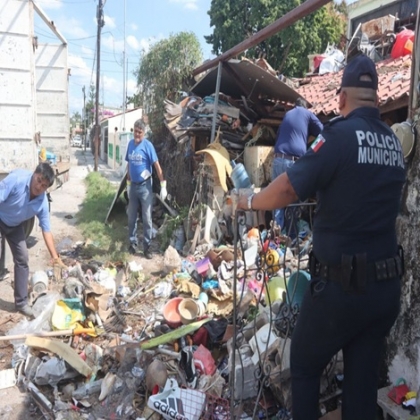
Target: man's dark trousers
pixel 15 237
pixel 330 320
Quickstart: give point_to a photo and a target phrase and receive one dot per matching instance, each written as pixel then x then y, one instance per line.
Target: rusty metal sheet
pixel 375 28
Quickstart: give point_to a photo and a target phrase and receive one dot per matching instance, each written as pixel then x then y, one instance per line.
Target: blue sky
pixel 146 21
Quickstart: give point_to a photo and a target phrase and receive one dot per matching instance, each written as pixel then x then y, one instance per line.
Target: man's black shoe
pixel 148 255
pixel 133 249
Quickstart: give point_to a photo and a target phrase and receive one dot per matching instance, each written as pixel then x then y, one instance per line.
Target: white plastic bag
pixel 174 402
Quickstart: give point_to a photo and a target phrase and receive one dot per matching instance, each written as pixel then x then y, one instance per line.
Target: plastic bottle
pixel 239 176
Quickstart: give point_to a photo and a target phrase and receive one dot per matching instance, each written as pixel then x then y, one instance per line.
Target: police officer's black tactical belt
pixel 354 272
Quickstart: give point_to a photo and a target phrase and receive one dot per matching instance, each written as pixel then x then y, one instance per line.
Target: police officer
pixel 356 168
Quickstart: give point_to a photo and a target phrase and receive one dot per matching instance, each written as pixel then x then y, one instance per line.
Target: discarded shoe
pixel 132 249
pixel 107 385
pixel 26 310
pixel 187 364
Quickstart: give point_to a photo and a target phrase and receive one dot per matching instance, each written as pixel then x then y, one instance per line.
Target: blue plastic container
pixel 296 287
pixel 239 176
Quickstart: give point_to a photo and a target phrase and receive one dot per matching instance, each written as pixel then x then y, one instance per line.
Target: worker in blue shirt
pixel 356 168
pixel 297 126
pixel 141 158
pixel 23 196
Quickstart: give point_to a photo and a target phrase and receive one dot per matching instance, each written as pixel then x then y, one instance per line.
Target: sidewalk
pixel 112 175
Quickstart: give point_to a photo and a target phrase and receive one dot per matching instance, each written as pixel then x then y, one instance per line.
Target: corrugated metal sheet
pixel 244 78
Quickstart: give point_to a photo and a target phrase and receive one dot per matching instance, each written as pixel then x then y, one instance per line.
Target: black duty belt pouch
pixel 353 273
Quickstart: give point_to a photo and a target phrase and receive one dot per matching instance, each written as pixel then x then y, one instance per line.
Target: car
pixel 77 141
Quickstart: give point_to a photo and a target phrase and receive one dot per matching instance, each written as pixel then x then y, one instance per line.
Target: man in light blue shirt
pixel 23 196
pixel 141 157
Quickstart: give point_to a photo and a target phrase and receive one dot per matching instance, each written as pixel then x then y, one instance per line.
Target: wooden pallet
pixel 391 411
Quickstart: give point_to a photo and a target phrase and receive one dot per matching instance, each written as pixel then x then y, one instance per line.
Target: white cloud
pixel 81 74
pixel 49 4
pixel 131 86
pixel 133 26
pixel 109 22
pixel 117 46
pixel 132 42
pixel 187 4
pixel 71 28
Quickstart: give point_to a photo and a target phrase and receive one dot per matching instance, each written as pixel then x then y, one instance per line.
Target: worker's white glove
pixel 163 191
pixel 128 188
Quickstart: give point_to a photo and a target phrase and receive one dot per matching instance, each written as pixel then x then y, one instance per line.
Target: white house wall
pixel 17 117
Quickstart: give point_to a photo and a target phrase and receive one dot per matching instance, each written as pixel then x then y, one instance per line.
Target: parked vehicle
pixel 77 141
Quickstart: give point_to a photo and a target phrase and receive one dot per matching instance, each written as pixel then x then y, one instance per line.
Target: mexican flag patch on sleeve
pixel 318 143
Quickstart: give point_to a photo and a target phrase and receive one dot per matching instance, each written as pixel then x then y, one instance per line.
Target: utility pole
pixel 84 117
pixel 100 20
pixel 124 79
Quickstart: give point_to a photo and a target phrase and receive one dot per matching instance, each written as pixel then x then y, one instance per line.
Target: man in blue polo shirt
pixel 297 126
pixel 141 157
pixel 23 196
pixel 356 168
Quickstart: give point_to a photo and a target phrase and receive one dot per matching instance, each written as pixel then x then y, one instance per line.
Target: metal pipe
pixel 285 21
pixel 216 101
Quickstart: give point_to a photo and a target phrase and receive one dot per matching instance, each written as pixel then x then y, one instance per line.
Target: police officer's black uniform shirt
pixel 356 168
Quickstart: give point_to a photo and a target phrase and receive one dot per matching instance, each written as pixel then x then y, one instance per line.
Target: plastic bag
pixel 67 312
pixel 174 402
pixel 43 309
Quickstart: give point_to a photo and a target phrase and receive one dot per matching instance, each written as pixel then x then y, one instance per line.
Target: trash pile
pixel 117 343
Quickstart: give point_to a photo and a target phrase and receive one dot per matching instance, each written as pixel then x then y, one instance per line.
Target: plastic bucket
pixel 189 310
pixel 296 287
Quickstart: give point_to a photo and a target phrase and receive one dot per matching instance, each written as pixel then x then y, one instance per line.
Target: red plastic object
pixel 203 360
pixel 317 61
pixel 398 392
pixel 171 314
pixel 403 44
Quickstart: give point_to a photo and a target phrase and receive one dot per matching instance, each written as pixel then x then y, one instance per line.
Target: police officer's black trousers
pixel 331 320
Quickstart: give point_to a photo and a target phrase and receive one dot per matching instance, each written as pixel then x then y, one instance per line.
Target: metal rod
pixel 285 21
pixel 216 101
pixel 49 22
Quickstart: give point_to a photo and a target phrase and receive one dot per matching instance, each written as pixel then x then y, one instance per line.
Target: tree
pixel 75 119
pixel 166 70
pixel 90 105
pixel 287 51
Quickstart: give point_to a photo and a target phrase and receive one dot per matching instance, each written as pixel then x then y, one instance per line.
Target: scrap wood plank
pixel 63 350
pixel 391 410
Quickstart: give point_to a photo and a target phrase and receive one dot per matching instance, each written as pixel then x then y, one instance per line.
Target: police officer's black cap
pixel 360 66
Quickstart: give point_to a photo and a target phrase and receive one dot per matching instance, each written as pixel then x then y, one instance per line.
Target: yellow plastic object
pixel 43 154
pixel 66 316
pixel 272 259
pixel 220 157
pixel 276 288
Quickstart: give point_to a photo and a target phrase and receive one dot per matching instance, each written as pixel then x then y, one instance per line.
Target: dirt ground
pixel 67 201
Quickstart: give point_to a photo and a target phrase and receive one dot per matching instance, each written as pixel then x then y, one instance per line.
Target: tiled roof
pixel 394 82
